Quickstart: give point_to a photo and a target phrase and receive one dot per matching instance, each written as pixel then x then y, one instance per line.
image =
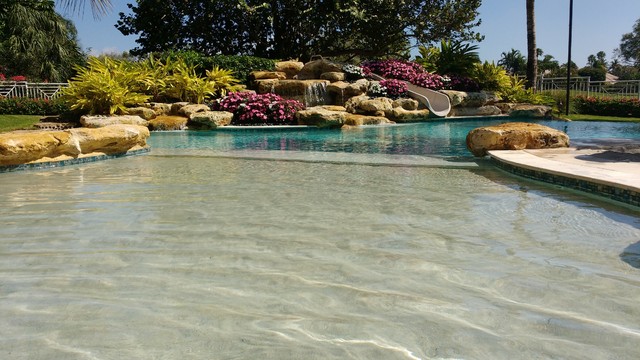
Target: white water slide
pixel 437 102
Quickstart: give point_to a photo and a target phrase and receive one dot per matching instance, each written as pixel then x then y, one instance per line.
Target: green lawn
pixel 580 117
pixel 17 122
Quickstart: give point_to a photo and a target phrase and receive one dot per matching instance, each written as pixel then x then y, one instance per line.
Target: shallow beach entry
pixel 201 253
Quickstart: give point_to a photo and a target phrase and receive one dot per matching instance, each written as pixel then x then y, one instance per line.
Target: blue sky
pixel 597 25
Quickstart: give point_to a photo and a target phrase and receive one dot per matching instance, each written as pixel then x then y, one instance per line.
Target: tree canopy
pixel 629 49
pixel 297 28
pixel 37 42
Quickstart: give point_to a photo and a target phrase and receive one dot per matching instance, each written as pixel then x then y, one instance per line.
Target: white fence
pixel 584 86
pixel 31 90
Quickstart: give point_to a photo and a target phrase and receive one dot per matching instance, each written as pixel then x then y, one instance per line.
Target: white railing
pixel 23 89
pixel 584 86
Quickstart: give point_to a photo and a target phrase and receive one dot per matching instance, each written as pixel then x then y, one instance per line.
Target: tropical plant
pixel 37 42
pixel 428 58
pixel 491 77
pixel 223 81
pixel 513 61
pixel 456 58
pixel 104 86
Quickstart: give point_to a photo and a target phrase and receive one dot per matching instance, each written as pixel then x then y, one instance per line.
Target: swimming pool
pixel 192 253
pixel 437 138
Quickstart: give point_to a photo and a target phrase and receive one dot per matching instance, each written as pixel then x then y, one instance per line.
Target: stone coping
pixel 40 165
pixel 615 180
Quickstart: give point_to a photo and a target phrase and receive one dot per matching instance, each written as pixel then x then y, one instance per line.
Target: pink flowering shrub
pixel 394 88
pixel 405 70
pixel 417 75
pixel 2 77
pixel 18 78
pixel 259 109
pixel 622 107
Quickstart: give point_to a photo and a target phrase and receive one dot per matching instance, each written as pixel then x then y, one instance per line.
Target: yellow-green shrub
pixel 104 86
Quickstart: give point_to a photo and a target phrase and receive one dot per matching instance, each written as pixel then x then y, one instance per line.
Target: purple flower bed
pixel 394 88
pixel 417 75
pixel 259 109
pixel 404 70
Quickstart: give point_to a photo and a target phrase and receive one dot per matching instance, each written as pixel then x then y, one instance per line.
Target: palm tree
pixel 513 62
pixel 532 56
pixel 37 42
pixel 98 7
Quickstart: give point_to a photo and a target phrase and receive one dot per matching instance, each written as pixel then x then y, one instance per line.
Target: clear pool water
pixel 190 254
pixel 437 138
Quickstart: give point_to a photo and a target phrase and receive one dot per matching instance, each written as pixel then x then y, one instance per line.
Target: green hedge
pixel 25 106
pixel 607 106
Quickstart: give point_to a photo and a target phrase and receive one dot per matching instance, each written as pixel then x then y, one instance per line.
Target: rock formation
pixel 514 136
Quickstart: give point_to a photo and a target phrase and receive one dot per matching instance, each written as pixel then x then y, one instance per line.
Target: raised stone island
pixel 514 136
pixel 29 147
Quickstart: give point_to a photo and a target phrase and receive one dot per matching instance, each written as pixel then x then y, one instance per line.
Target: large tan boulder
pixel 191 109
pixel 264 75
pixel 144 112
pixel 514 136
pixel 405 103
pixel 369 106
pixel 333 76
pixel 315 68
pixel 401 115
pixel 291 67
pixel 168 123
pixel 21 147
pixel 96 121
pixel 113 139
pixel 322 116
pixel 211 119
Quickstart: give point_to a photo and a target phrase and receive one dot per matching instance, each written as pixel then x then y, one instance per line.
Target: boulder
pixel 308 92
pixel 263 75
pixel 359 120
pixel 113 139
pixel 405 103
pixel 514 136
pixel 96 121
pixel 315 68
pixel 401 115
pixel 322 116
pixel 470 99
pixel 211 119
pixel 168 123
pixel 357 88
pixel 143 112
pixel 21 147
pixel 160 108
pixel 191 109
pixel 487 110
pixel 531 111
pixel 265 86
pixel 369 106
pixel 333 76
pixel 175 107
pixel 290 67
